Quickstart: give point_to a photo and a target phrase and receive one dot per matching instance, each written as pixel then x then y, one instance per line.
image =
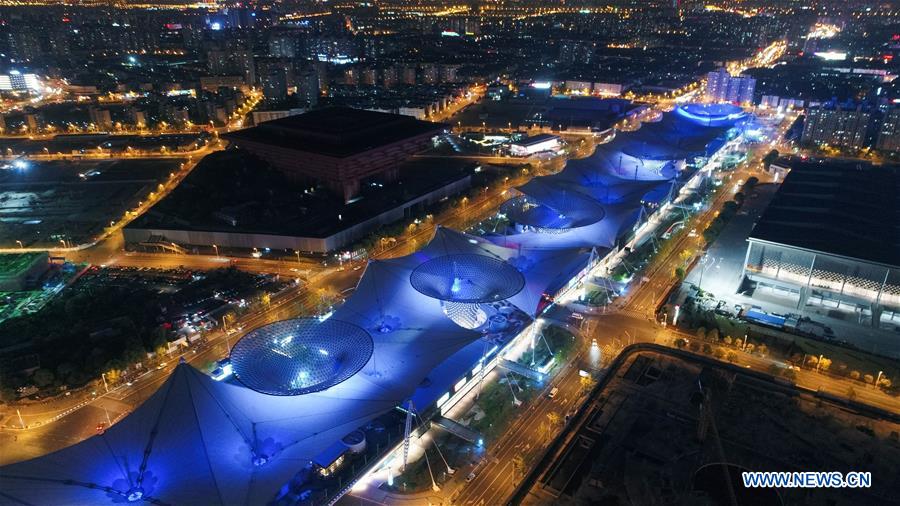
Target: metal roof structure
pixel 198 441
pixel 300 356
pixel 467 278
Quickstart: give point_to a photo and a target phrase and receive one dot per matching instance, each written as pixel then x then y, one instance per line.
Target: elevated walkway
pixel 457 429
pixel 161 243
pixel 518 368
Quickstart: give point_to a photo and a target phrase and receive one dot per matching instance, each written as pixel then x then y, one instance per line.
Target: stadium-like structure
pixel 418 329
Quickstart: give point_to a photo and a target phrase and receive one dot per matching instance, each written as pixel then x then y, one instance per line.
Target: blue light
pixel 135 494
pixel 457 285
pixel 215 25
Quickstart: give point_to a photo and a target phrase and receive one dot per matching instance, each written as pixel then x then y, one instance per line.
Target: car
pixel 692 233
pixel 101 428
pixel 738 308
pixel 470 477
pixel 553 392
pixel 577 316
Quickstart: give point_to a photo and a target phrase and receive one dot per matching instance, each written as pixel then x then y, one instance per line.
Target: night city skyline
pixel 425 252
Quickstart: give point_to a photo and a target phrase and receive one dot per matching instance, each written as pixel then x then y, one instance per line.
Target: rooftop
pixel 839 208
pixel 535 139
pixel 232 191
pixel 336 131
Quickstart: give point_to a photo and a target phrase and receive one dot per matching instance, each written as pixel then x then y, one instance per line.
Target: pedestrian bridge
pixel 457 429
pixel 518 368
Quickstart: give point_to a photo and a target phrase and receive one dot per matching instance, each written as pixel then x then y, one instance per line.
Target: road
pixel 496 476
pixel 63 421
pixel 661 272
pixel 634 322
pixel 48 431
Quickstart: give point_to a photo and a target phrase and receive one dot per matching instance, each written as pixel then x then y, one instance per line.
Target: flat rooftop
pixel 231 191
pixel 847 209
pixel 535 139
pixel 336 131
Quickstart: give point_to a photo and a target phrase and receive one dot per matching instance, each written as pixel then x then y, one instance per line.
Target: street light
pixel 704 260
pixel 21 246
pixel 217 250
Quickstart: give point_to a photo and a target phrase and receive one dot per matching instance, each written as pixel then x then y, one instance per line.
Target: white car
pixel 577 316
pixel 470 477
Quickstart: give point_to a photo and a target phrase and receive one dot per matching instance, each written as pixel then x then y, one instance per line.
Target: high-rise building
pixel 723 87
pixel 836 127
pixel 409 75
pixel 239 62
pixel 308 86
pixel 274 84
pixel 889 132
pixel 283 45
pixel 430 73
pixel 245 65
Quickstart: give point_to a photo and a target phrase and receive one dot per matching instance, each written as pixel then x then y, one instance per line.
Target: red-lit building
pixel 338 147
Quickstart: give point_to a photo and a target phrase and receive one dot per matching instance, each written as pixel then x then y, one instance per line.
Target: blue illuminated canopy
pixel 300 356
pixel 566 211
pixel 467 277
pixel 711 114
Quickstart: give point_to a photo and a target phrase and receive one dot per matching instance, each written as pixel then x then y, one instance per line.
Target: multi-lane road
pixel 56 423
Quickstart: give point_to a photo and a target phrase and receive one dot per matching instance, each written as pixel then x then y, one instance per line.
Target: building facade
pixel 889 132
pixel 723 87
pixel 844 129
pixel 338 147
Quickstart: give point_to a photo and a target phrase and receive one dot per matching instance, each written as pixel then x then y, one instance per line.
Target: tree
pixel 732 357
pixel 824 364
pixel 701 332
pixel 586 383
pixel 553 420
pixel 707 349
pixel 750 347
pixel 763 350
pixel 869 379
pixel 8 394
pixel 713 335
pixel 727 340
pixel 854 375
pixel 679 273
pixel 811 361
pixel 518 465
pixel 719 353
pixel 43 377
pixel 680 343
